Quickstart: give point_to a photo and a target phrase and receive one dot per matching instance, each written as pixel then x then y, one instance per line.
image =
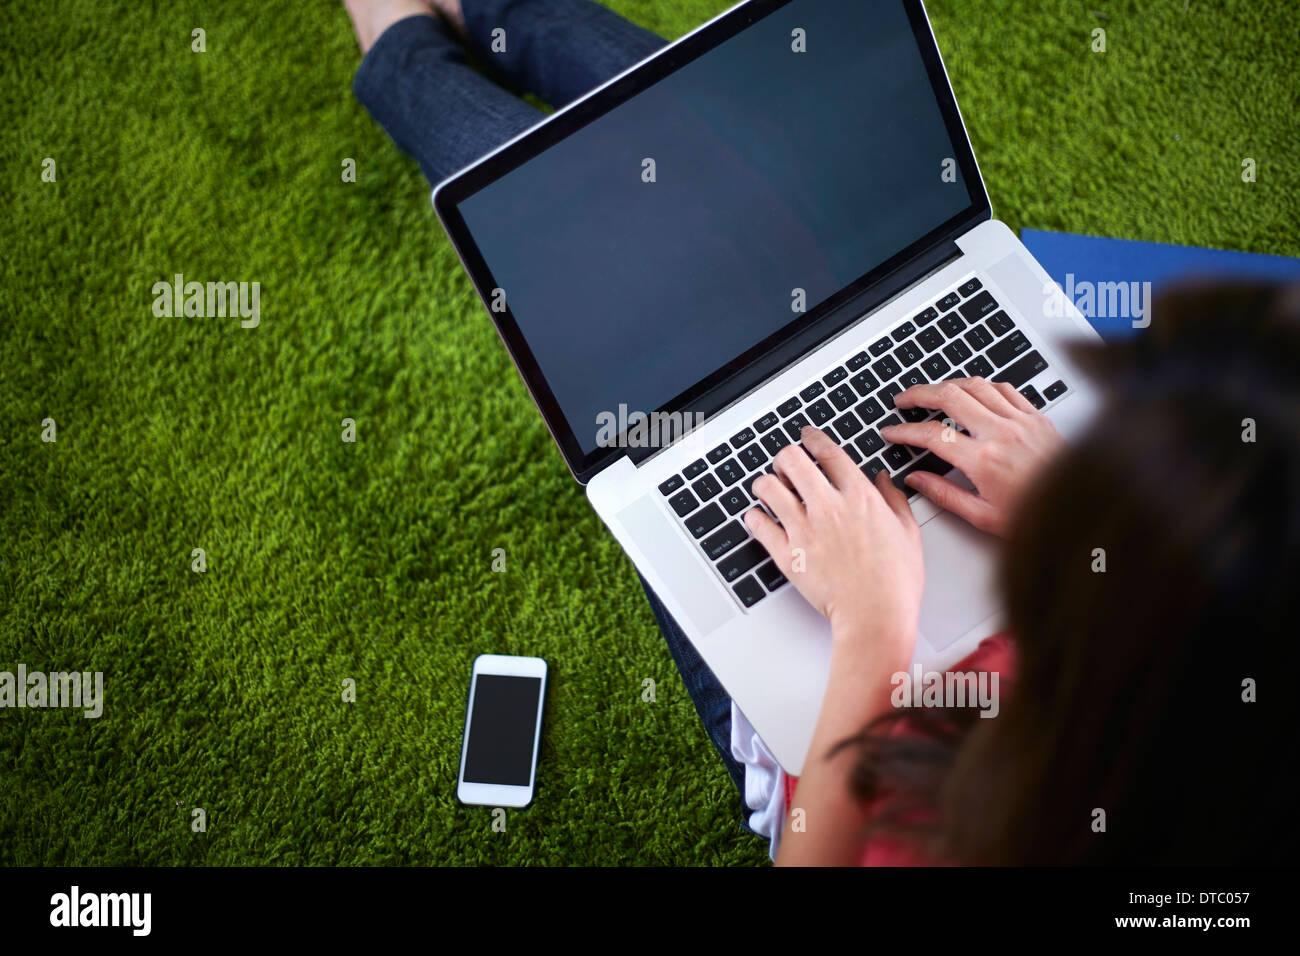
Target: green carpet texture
pixel 371 561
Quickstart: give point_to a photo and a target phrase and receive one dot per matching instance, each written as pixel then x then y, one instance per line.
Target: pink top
pixel 994 654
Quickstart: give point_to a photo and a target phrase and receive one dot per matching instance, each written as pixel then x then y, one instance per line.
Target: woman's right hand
pixel 1008 442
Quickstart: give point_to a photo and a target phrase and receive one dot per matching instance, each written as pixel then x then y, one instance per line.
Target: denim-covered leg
pixel 418 85
pixel 712 703
pixel 559 50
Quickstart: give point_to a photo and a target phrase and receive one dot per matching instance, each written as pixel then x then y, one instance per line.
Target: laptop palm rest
pixel 666 550
pixel 960 584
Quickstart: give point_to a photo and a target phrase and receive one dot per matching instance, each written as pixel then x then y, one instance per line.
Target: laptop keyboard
pixel 964 333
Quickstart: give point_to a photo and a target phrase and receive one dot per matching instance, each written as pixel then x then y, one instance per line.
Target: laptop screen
pixel 666 237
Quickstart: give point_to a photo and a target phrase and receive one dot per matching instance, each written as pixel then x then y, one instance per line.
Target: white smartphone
pixel 503 731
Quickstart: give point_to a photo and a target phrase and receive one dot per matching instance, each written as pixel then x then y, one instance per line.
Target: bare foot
pixel 370 18
pixel 451 12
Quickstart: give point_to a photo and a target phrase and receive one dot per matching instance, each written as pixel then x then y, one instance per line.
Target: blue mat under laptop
pixel 1112 280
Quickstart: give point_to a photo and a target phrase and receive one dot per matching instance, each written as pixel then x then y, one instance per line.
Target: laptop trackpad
pixel 960 579
pixel 664 548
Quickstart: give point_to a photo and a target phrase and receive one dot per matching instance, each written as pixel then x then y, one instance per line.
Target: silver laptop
pixel 775 221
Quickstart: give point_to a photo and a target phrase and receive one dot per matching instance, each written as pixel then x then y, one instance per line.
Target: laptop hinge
pixel 727 393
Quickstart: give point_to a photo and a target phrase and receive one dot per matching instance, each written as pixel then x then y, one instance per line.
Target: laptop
pixel 775 221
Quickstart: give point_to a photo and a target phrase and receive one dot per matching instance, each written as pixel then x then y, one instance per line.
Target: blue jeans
pixel 418 84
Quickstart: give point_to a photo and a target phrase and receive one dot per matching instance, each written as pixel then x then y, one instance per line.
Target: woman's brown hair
pixel 1134 685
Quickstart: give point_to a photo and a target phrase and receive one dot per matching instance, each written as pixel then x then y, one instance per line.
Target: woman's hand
pixel 851 548
pixel 1008 444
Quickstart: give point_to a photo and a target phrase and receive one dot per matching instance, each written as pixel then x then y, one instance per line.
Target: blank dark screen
pixel 502 729
pixel 774 171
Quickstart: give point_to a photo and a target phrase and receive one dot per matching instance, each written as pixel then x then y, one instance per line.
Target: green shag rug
pixel 371 561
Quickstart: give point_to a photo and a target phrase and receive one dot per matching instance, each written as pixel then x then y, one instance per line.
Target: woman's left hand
pixel 851 547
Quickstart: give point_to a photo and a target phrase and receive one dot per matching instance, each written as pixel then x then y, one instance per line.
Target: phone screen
pixel 502 730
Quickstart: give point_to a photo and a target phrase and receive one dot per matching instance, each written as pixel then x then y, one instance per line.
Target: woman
pixel 1148 571
pixel 1150 582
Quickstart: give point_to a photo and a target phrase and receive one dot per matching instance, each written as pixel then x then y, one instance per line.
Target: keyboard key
pixel 949 301
pixel 835 376
pixel 771 576
pixel 896 456
pixel 926 317
pixel 957 351
pixel 770 420
pixel 869 411
pixel 908 354
pixel 671 485
pixel 788 408
pixel 740 439
pixel 812 391
pixel 1022 370
pixel 872 468
pixel 881 346
pixel 978 337
pixel 915 414
pixel 704 520
pixel 752 457
pixel 957 374
pixel 1054 391
pixel 730 472
pixel 719 453
pixel 748 483
pixel 903 331
pixel 695 469
pixel 683 503
pixel 720 542
pixel 1035 399
pixel 912 378
pixel 1013 345
pixel 976 308
pixel 929 339
pixel 864 382
pixel 979 367
pixel 774 441
pixel 842 397
pixel 749 591
pixel 967 289
pixel 935 367
pixel 891 420
pixel 795 426
pixel 857 362
pixel 886 367
pixel 820 412
pixel 854 455
pixel 999 324
pixel 886 394
pixel 707 487
pixel 741 560
pixel 869 442
pixel 847 426
pixel 734 500
pixel 952 325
